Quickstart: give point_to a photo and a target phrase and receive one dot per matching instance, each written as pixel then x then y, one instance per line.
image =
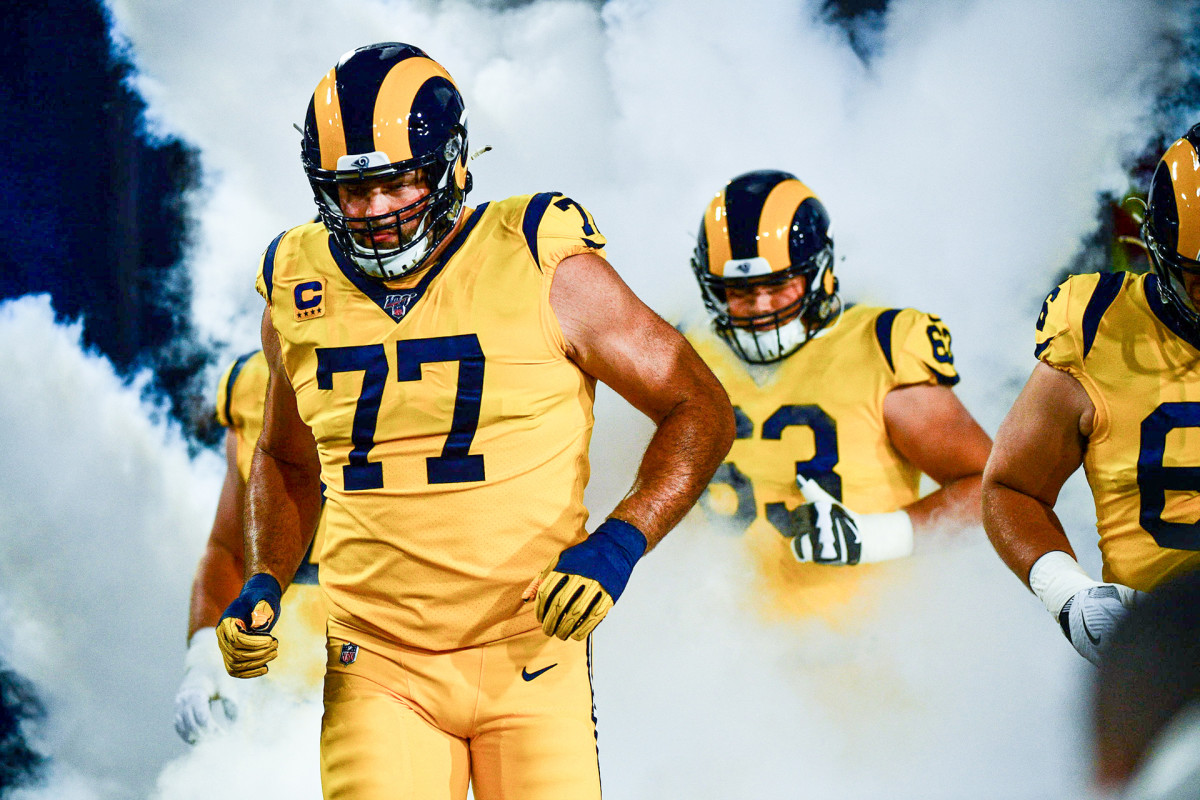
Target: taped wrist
pixel 1055 578
pixel 261 586
pixel 607 556
pixel 885 536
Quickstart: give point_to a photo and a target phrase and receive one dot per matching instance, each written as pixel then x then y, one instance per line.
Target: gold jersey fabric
pixel 451 426
pixel 241 396
pixel 819 413
pixel 1113 333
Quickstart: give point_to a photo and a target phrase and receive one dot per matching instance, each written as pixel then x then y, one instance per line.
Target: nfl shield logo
pixel 349 653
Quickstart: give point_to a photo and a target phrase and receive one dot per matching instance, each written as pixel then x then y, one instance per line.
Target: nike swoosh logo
pixel 531 675
pixel 1093 639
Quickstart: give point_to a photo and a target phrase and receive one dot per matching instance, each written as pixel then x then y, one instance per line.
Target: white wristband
pixel 1055 578
pixel 885 536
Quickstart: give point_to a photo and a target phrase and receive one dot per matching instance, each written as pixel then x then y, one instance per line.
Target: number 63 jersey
pixel 1113 333
pixel 819 414
pixel 451 426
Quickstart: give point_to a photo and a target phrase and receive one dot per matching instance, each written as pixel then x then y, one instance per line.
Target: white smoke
pixel 960 169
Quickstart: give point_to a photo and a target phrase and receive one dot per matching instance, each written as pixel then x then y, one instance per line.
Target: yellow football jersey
pixel 819 414
pixel 452 428
pixel 241 396
pixel 1113 334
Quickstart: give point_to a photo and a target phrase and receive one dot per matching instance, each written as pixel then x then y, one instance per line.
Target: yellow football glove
pixel 580 586
pixel 244 632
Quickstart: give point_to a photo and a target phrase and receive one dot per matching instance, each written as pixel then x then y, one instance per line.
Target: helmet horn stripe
pixel 326 109
pixel 1184 163
pixel 398 90
pixel 716 232
pixel 358 81
pixel 775 224
pixel 744 200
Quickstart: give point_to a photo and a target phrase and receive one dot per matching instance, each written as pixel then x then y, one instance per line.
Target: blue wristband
pixel 607 556
pixel 261 586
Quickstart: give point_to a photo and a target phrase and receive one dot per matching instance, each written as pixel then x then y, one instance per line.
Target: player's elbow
pixel 723 424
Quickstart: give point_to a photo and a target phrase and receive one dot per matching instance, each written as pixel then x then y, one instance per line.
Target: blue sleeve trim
pixel 269 265
pixel 233 376
pixel 1041 348
pixel 533 219
pixel 1102 297
pixel 883 333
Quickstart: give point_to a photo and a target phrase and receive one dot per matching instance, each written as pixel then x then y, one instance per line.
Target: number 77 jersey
pixel 1114 334
pixel 451 426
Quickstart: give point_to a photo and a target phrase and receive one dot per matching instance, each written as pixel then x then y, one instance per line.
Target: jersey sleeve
pixel 241 392
pixel 264 284
pixel 224 396
pixel 920 349
pixel 556 227
pixel 1056 332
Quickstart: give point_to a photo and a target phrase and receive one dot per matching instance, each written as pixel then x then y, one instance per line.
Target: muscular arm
pixel 1039 445
pixel 615 338
pixel 931 429
pixel 283 496
pixel 219 574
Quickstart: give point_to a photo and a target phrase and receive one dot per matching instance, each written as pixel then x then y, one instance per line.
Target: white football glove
pixel 206 700
pixel 826 532
pixel 1087 610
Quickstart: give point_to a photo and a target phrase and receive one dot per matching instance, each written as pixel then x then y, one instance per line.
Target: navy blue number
pixel 729 475
pixel 370 360
pixel 819 468
pixel 1046 307
pixel 455 464
pixel 588 228
pixel 939 340
pixel 1155 480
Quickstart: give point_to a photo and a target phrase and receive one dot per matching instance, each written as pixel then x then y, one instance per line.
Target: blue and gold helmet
pixel 385 110
pixel 1171 228
pixel 766 228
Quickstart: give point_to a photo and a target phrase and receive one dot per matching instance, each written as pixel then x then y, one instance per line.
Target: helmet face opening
pixel 767 235
pixel 1171 228
pixel 387 119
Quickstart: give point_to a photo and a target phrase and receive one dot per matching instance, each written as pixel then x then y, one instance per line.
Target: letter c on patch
pixel 308 295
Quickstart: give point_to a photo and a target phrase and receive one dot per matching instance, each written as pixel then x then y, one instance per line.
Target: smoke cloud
pixel 960 164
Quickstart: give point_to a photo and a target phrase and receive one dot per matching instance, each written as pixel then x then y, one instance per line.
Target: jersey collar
pixel 396 303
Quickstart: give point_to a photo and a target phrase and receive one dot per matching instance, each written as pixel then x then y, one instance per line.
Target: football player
pixel 433 365
pixel 839 408
pixel 1116 390
pixel 207 696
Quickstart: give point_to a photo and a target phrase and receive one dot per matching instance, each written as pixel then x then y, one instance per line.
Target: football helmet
pixel 1171 228
pixel 386 110
pixel 766 228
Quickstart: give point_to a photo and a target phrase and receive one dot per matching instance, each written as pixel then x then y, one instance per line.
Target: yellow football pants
pixel 512 717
